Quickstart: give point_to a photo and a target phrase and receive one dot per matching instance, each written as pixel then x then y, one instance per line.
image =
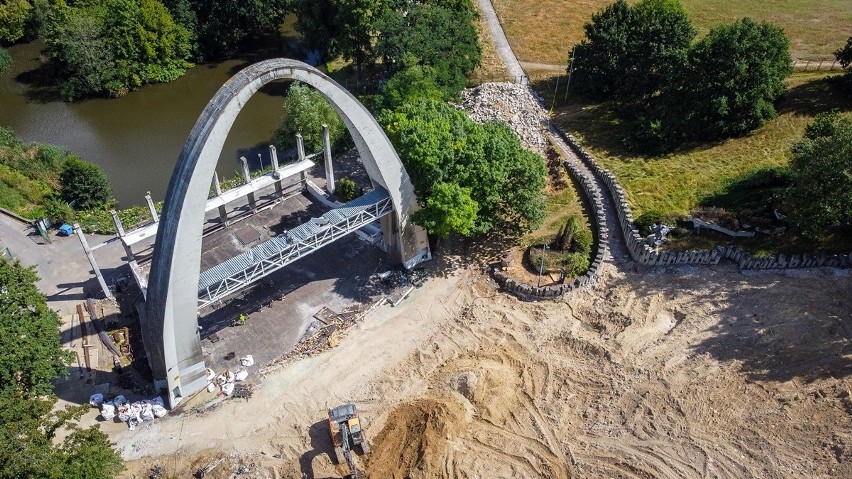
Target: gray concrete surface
pixel 501 42
pixel 66 276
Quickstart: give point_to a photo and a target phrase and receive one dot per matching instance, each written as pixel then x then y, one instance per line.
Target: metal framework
pixel 264 259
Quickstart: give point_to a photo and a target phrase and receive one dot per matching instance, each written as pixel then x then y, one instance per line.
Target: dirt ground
pixel 675 373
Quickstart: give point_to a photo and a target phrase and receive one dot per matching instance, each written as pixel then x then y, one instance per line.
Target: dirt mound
pixel 416 439
pixel 672 373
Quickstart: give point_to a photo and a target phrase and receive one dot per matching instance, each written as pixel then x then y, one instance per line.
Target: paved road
pixel 66 276
pixel 501 42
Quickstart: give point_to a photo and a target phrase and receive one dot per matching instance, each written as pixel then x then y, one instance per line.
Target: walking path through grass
pixel 500 41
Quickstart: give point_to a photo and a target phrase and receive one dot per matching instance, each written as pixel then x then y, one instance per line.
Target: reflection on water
pixel 136 138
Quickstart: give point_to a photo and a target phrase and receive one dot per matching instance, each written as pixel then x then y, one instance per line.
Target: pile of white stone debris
pixel 519 106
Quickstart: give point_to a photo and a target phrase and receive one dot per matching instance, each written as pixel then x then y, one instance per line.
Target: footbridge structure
pixel 264 259
pixel 176 287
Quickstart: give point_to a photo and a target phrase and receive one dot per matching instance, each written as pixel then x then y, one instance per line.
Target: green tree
pixel 305 111
pixel 440 144
pixel 114 46
pixel 30 354
pixel 222 25
pixel 316 20
pixel 735 74
pixel 820 194
pixel 356 22
pixel 407 85
pixel 14 16
pixel 5 60
pixel 844 56
pixel 448 209
pixel 346 190
pixel 84 185
pixel 440 39
pixel 630 52
pixel 30 359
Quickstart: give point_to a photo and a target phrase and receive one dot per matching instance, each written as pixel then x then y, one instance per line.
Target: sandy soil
pixel 679 373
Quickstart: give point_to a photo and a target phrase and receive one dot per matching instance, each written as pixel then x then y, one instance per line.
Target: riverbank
pixel 137 138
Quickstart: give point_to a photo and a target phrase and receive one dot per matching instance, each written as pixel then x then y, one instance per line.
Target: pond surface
pixel 137 138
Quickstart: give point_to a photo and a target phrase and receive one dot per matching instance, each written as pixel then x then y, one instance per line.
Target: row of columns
pixel 223 214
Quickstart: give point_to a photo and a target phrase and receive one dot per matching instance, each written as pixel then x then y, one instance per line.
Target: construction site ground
pixel 668 372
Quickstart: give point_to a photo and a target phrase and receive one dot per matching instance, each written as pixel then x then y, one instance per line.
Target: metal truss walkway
pixel 244 269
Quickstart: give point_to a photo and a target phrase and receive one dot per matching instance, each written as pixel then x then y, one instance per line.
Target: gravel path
pixel 617 246
pixel 501 42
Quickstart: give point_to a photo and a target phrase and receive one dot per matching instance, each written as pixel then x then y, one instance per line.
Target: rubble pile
pixel 227 382
pixel 519 106
pixel 323 333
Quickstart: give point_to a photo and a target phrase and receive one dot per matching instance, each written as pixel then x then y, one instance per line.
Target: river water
pixel 136 138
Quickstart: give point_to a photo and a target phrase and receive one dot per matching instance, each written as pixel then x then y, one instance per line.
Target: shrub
pixel 84 185
pixel 346 190
pixel 58 211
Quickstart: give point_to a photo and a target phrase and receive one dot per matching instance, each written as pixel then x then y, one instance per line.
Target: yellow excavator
pixel 344 425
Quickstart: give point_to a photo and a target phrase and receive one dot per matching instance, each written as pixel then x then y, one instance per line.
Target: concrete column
pixel 217 186
pixel 300 154
pixel 92 261
pixel 117 222
pixel 300 147
pixel 120 228
pixel 247 177
pixel 273 153
pixel 329 170
pixel 151 207
pixel 245 169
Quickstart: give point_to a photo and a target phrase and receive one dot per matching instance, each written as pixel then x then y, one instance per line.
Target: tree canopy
pixel 305 111
pixel 820 194
pixel 435 34
pixel 456 164
pixel 670 89
pixel 84 185
pixel 222 25
pixel 735 74
pixel 114 46
pixel 30 359
pixel 438 38
pixel 844 56
pixel 30 355
pixel 14 16
pixel 630 51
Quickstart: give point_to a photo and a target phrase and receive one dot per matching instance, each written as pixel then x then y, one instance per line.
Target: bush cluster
pixel 569 251
pixel 671 89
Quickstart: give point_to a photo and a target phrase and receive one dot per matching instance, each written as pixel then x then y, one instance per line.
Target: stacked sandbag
pixel 134 413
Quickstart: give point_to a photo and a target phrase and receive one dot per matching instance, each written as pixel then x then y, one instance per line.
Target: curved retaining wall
pixel 644 254
pixel 592 196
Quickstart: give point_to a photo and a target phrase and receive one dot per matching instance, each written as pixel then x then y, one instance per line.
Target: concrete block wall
pixel 593 197
pixel 644 254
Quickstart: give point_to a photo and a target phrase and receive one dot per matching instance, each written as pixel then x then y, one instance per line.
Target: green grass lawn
pixel 543 31
pixel 672 185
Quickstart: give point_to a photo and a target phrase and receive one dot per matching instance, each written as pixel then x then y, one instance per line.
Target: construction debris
pixel 132 413
pixel 324 334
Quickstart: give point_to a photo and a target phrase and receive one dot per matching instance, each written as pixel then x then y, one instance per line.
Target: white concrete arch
pixel 170 324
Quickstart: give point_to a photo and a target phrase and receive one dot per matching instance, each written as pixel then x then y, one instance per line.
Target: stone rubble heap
pixel 519 106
